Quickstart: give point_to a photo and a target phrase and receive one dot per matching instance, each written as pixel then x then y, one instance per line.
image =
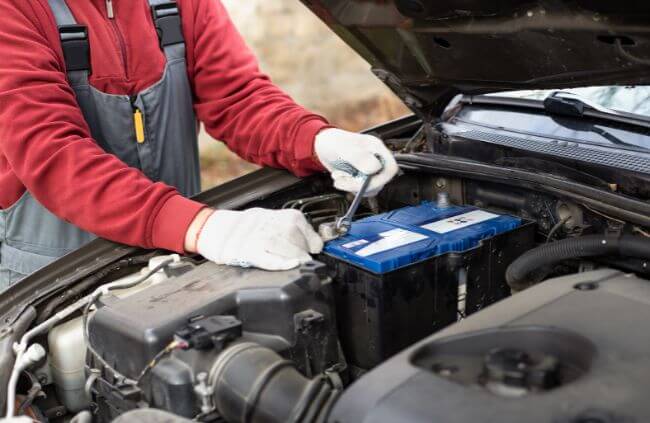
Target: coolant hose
pixel 254 384
pixel 525 271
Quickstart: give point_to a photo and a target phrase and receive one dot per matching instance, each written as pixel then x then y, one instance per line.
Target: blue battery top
pixel 405 236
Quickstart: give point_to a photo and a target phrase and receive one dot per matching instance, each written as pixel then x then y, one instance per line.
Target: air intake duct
pixel 253 384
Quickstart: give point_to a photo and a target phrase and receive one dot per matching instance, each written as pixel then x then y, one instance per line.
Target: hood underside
pixel 427 50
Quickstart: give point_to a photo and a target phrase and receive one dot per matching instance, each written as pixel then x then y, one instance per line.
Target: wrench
pixel 344 222
pixel 341 226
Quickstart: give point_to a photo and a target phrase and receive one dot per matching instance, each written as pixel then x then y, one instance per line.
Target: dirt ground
pixel 325 75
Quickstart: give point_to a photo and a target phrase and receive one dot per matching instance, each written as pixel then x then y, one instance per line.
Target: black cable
pixel 302 406
pixel 93 299
pixel 89 282
pixel 556 228
pixel 174 345
pixel 530 267
pixel 419 135
pixel 308 414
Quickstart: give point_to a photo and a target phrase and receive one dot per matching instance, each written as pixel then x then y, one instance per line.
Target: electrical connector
pixel 210 332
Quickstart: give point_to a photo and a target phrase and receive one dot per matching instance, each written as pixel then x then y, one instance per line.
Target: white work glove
pixel 334 147
pixel 267 239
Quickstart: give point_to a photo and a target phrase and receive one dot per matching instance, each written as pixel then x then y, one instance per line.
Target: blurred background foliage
pixel 311 64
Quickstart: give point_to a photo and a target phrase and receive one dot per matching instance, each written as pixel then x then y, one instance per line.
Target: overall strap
pixel 74 42
pixel 167 21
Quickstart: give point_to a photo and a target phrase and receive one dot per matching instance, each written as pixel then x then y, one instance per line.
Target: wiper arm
pixel 562 103
pixel 609 136
pixel 570 104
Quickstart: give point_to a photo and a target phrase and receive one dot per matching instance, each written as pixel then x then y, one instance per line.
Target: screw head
pixel 586 286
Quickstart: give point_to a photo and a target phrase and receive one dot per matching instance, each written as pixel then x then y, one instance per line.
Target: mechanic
pixel 99 108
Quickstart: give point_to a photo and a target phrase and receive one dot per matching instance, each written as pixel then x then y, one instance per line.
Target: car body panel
pixel 426 50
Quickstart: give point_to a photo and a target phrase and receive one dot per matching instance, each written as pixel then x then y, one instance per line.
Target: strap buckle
pixel 168 23
pixel 76 48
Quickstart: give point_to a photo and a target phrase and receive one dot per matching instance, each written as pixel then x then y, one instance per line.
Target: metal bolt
pixel 328 231
pixel 443 200
pixel 42 378
pixel 204 391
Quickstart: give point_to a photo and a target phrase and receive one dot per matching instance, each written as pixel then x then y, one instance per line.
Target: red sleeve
pixel 237 103
pixel 47 143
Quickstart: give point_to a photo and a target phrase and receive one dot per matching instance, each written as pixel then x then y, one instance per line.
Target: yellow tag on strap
pixel 138 122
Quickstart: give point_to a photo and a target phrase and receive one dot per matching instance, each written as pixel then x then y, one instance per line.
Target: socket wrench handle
pixel 344 222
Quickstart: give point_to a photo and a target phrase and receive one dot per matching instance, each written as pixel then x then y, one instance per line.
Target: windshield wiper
pixel 566 104
pixel 572 105
pixel 569 112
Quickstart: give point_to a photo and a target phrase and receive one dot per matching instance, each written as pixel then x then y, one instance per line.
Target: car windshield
pixel 630 99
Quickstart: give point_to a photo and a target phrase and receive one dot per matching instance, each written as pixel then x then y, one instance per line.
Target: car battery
pixel 398 275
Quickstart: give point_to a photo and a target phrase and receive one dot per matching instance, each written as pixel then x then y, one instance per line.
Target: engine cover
pixel 289 312
pixel 563 351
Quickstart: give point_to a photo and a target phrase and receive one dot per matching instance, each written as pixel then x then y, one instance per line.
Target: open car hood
pixel 427 51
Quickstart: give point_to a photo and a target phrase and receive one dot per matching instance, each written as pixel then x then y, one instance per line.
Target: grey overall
pixel 31 236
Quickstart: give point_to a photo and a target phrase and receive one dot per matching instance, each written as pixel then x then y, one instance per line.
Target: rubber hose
pixel 253 384
pixel 7 355
pixel 528 269
pixel 90 282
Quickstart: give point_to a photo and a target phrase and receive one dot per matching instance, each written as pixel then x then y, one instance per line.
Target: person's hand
pixel 267 239
pixel 366 153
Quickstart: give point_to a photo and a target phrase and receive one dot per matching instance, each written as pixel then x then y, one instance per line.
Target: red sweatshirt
pixel 46 146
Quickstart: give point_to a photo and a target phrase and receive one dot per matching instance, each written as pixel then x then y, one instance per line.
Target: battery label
pixel 459 222
pixel 390 240
pixel 356 243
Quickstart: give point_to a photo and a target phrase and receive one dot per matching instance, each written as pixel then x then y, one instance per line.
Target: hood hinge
pixel 394 83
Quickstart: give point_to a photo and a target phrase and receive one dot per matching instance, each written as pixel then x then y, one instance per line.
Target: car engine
pixel 410 316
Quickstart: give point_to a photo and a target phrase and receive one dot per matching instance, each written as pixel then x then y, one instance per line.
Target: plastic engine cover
pixel 130 332
pixel 582 325
pixel 392 240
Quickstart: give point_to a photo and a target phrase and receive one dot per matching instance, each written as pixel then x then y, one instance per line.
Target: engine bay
pixel 415 309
